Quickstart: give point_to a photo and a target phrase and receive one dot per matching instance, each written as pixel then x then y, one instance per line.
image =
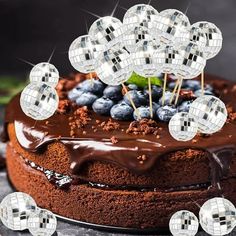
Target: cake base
pixel 122 210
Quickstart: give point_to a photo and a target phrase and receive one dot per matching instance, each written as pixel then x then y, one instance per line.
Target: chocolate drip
pixel 88 145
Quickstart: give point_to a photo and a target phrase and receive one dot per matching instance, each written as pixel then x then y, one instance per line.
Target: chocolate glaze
pixel 89 145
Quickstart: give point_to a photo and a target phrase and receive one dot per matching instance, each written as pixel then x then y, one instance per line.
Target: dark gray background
pixel 31 29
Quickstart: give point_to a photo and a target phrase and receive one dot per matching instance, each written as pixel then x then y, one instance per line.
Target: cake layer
pixel 170 171
pixel 120 208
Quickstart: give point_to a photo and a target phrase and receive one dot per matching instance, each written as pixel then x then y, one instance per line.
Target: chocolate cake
pixel 132 174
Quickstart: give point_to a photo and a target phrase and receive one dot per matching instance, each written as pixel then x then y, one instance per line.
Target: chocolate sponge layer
pixel 117 208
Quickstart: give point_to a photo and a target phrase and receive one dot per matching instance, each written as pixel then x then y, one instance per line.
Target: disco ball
pixel 44 73
pixel 15 209
pixel 140 15
pixel 134 36
pixel 108 31
pixel 214 38
pixel 217 216
pixel 42 222
pixel 183 223
pixel 114 67
pixel 168 59
pixel 143 58
pixel 210 113
pixel 183 127
pixel 39 101
pixel 193 61
pixel 171 27
pixel 83 53
pixel 198 37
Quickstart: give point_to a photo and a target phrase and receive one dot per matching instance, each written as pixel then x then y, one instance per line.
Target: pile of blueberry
pixel 109 100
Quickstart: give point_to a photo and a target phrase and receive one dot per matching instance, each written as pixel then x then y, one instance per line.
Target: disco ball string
pixel 155 42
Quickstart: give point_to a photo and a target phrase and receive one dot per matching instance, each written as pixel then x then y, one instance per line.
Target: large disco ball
pixel 214 38
pixel 218 216
pixel 193 62
pixel 15 209
pixel 168 59
pixel 183 223
pixel 134 36
pixel 83 53
pixel 46 73
pixel 39 101
pixel 171 27
pixel 140 15
pixel 108 31
pixel 210 113
pixel 114 66
pixel 183 127
pixel 143 58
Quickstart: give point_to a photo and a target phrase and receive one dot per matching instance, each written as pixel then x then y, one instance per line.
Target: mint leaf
pixel 141 81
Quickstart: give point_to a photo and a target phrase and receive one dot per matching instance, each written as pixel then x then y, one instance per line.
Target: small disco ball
pixel 217 216
pixel 83 53
pixel 210 113
pixel 114 67
pixel 15 209
pixel 183 127
pixel 44 73
pixel 108 31
pixel 39 101
pixel 214 38
pixel 134 36
pixel 140 15
pixel 42 222
pixel 171 27
pixel 193 61
pixel 168 59
pixel 143 58
pixel 198 37
pixel 183 223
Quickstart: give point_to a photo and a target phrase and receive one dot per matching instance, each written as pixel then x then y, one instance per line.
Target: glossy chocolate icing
pixel 89 145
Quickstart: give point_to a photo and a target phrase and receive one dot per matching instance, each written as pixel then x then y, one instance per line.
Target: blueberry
pixel 121 111
pixel 168 96
pixel 156 92
pixel 113 92
pixel 132 87
pixel 86 99
pixel 137 97
pixel 103 106
pixel 172 84
pixel 75 93
pixel 198 93
pixel 208 87
pixel 155 106
pixel 143 111
pixel 92 85
pixel 184 106
pixel 192 85
pixel 165 113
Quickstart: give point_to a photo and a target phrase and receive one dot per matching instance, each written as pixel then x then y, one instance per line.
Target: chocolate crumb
pixel 84 132
pixel 47 122
pixel 194 141
pixel 114 140
pixel 110 125
pixel 144 126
